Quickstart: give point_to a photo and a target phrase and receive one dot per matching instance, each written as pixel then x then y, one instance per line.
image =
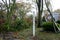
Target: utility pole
pixel 33 24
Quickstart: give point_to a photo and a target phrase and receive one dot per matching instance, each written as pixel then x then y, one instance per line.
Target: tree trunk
pixel 51 17
pixel 40 9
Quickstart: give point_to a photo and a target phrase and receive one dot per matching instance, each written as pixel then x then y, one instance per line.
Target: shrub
pixel 19 25
pixel 16 26
pixel 48 26
pixel 22 24
pixel 4 27
pixel 58 25
pixel 58 21
pixel 43 19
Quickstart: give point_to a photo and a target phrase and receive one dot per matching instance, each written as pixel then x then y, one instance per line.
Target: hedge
pixel 48 26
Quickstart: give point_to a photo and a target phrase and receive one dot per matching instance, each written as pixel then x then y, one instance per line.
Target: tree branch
pixel 51 16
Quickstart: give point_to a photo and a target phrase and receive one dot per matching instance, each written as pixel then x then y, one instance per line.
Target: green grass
pixel 27 35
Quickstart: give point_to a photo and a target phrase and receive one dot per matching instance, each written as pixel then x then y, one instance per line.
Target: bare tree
pixel 47 5
pixel 40 10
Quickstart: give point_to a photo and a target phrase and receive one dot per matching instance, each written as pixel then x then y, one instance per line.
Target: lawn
pixel 27 35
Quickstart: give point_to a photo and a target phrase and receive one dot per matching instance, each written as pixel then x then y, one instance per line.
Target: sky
pixel 55 4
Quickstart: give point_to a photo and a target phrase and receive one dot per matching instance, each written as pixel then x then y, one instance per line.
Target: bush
pixel 4 27
pixel 19 25
pixel 43 19
pixel 58 22
pixel 58 25
pixel 48 26
pixel 16 26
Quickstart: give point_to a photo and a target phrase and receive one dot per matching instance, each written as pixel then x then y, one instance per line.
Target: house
pixel 55 15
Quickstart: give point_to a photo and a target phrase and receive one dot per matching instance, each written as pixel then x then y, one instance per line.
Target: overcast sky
pixel 55 4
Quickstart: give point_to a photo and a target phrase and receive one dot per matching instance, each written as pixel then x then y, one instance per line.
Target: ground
pixel 26 34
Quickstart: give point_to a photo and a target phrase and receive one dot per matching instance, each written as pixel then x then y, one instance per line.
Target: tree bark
pixel 40 10
pixel 51 17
